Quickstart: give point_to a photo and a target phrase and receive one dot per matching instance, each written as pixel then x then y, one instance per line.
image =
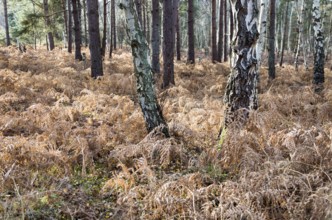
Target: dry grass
pixel 73 147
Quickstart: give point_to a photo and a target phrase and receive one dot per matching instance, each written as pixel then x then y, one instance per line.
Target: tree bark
pixel 70 26
pixel 65 17
pixel 318 79
pixel 114 25
pixel 155 38
pixel 283 42
pixel 300 11
pixel 221 31
pixel 178 34
pixel 138 4
pixel 191 34
pixel 94 44
pixel 77 30
pixel 241 91
pixel 262 31
pixel 85 26
pixel 6 22
pixel 48 25
pixel 214 32
pixel 272 30
pixel 225 32
pixel 103 41
pixel 168 43
pixel 140 50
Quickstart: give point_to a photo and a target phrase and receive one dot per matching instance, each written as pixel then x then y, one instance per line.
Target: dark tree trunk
pixel 139 11
pixel 178 34
pixel 319 54
pixel 6 23
pixel 225 31
pixel 140 50
pixel 283 43
pixel 221 31
pixel 65 17
pixel 241 91
pixel 79 9
pixel 103 41
pixel 94 45
pixel 191 36
pixel 168 43
pixel 70 26
pixel 85 26
pixel 113 25
pixel 48 25
pixel 77 30
pixel 155 38
pixel 272 32
pixel 231 28
pixel 214 32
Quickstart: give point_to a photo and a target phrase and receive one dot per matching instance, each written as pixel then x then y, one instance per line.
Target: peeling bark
pixel 140 50
pixel 241 90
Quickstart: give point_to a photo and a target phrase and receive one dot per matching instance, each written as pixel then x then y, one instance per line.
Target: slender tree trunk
pixel 241 91
pixel 283 42
pixel 272 30
pixel 79 9
pixel 318 79
pixel 221 31
pixel 168 43
pixel 48 25
pixel 300 12
pixel 114 25
pixel 289 31
pixel 77 30
pixel 178 35
pixel 94 45
pixel 225 32
pixel 214 32
pixel 103 41
pixel 191 34
pixel 85 26
pixel 66 22
pixel 262 31
pixel 70 26
pixel 155 39
pixel 140 50
pixel 6 22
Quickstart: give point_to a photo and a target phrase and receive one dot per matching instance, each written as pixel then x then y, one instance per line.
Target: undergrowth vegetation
pixel 76 148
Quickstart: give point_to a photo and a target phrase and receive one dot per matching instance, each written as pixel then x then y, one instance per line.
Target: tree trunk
pixel 289 31
pixel 114 25
pixel 77 30
pixel 300 12
pixel 85 26
pixel 144 17
pixel 272 30
pixel 262 31
pixel 214 32
pixel 79 9
pixel 155 38
pixel 178 34
pixel 70 25
pixel 6 22
pixel 103 41
pixel 225 32
pixel 140 50
pixel 168 43
pixel 48 25
pixel 138 4
pixel 191 34
pixel 318 79
pixel 283 42
pixel 65 17
pixel 221 31
pixel 94 44
pixel 241 90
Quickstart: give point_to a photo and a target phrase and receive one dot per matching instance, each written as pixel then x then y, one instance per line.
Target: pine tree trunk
pixel 225 32
pixel 155 39
pixel 140 50
pixel 214 32
pixel 241 91
pixel 77 30
pixel 103 41
pixel 70 26
pixel 48 25
pixel 221 31
pixel 6 22
pixel 318 79
pixel 168 43
pixel 191 36
pixel 283 42
pixel 94 44
pixel 65 17
pixel 85 26
pixel 272 31
pixel 262 31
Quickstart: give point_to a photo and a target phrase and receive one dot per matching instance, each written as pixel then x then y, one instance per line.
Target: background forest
pixel 174 109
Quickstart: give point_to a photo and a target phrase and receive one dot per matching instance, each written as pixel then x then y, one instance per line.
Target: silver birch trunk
pixel 290 27
pixel 262 30
pixel 319 60
pixel 300 40
pixel 141 58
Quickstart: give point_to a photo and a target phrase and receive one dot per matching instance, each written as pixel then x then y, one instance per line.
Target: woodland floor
pixel 76 148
